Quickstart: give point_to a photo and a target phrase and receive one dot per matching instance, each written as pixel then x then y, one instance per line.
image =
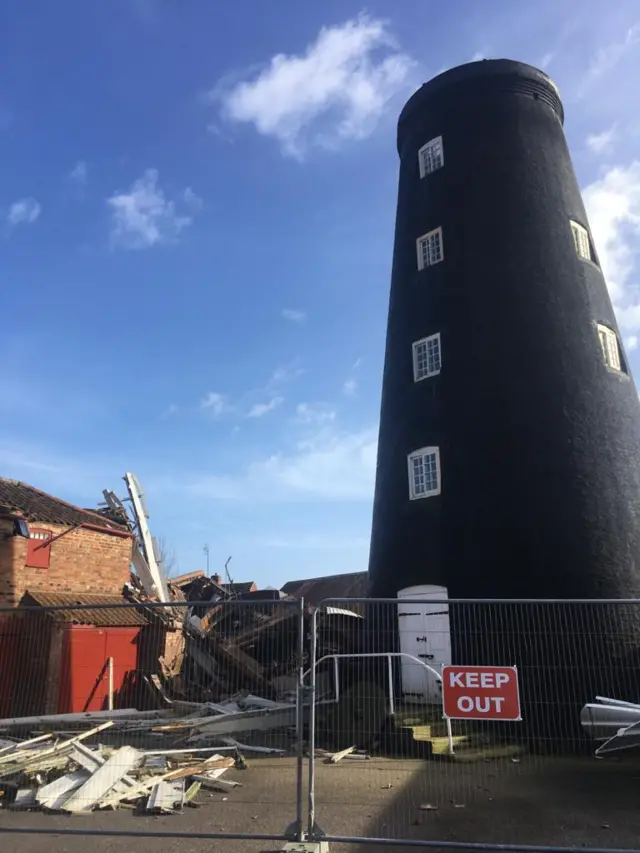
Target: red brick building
pixel 69 549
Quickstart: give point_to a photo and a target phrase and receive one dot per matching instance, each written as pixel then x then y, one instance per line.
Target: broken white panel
pixel 25 799
pixel 55 794
pixel 158 581
pixel 166 797
pixel 104 778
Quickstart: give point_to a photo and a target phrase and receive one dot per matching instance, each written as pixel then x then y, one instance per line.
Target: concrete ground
pixel 574 802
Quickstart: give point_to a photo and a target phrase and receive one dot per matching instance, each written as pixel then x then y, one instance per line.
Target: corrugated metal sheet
pixel 102 616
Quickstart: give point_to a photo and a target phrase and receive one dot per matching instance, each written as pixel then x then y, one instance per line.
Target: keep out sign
pixel 480 692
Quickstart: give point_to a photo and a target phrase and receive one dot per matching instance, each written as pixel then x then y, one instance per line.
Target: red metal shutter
pixel 38 553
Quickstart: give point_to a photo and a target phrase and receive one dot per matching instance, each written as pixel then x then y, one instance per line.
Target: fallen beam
pixel 245 721
pixel 51 720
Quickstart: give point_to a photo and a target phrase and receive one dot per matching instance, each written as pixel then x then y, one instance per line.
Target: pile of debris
pixel 217 644
pixel 614 722
pixel 65 775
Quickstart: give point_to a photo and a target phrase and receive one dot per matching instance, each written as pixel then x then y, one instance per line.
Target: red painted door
pixel 84 683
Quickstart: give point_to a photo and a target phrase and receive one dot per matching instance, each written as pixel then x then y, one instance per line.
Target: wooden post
pixel 110 676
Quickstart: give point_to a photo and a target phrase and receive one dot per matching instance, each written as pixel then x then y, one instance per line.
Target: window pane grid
pixel 424 473
pixel 430 249
pixel 431 156
pixel 610 348
pixel 581 241
pixel 427 357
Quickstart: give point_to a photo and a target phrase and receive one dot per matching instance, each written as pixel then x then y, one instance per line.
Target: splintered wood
pixel 65 775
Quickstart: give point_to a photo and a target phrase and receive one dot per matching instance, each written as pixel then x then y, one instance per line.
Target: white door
pixel 425 634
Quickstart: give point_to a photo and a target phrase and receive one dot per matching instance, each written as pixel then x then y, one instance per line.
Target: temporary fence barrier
pixel 129 711
pixel 512 764
pixel 133 710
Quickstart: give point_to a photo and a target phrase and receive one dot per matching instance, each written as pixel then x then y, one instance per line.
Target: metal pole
pixel 300 724
pixel 110 677
pixel 392 706
pixel 449 735
pixel 312 729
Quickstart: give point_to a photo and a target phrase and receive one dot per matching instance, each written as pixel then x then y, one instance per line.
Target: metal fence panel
pixel 131 713
pixel 386 766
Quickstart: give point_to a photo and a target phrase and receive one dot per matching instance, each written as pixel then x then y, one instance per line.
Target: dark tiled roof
pixel 314 590
pixel 107 617
pixel 37 506
pixel 238 588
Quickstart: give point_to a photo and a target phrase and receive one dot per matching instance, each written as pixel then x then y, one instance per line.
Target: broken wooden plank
pixel 117 798
pixel 215 783
pixel 233 658
pixel 338 756
pixel 214 763
pixel 103 780
pixel 6 752
pixel 54 795
pixel 50 757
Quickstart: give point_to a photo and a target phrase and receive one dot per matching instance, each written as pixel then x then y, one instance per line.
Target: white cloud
pixel 546 61
pixel 25 211
pixel 314 413
pixel 349 386
pixel 329 466
pixel 216 404
pixel 79 172
pixel 336 90
pixel 613 207
pixel 192 200
pixel 285 373
pixel 170 411
pixel 144 216
pixel 608 57
pixel 599 143
pixel 294 315
pixel 631 343
pixel 260 409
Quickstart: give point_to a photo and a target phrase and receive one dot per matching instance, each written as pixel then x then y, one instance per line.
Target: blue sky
pixel 196 227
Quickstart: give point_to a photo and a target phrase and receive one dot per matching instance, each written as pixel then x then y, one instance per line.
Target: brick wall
pixel 81 561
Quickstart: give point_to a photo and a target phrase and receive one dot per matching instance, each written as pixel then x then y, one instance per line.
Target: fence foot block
pixel 306 847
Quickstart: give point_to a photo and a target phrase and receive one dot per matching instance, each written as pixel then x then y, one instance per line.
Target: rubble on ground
pixel 60 772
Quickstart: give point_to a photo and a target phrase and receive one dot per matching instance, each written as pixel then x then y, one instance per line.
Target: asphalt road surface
pixel 573 802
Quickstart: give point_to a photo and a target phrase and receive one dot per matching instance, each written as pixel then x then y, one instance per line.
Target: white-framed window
pixel 427 357
pixel 430 248
pixel 424 473
pixel 431 156
pixel 610 348
pixel 581 240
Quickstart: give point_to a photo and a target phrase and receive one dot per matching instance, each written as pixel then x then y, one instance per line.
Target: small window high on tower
pixel 431 156
pixel 581 240
pixel 424 473
pixel 430 249
pixel 427 357
pixel 610 348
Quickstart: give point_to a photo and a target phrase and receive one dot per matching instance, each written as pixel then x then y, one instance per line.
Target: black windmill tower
pixel 509 446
